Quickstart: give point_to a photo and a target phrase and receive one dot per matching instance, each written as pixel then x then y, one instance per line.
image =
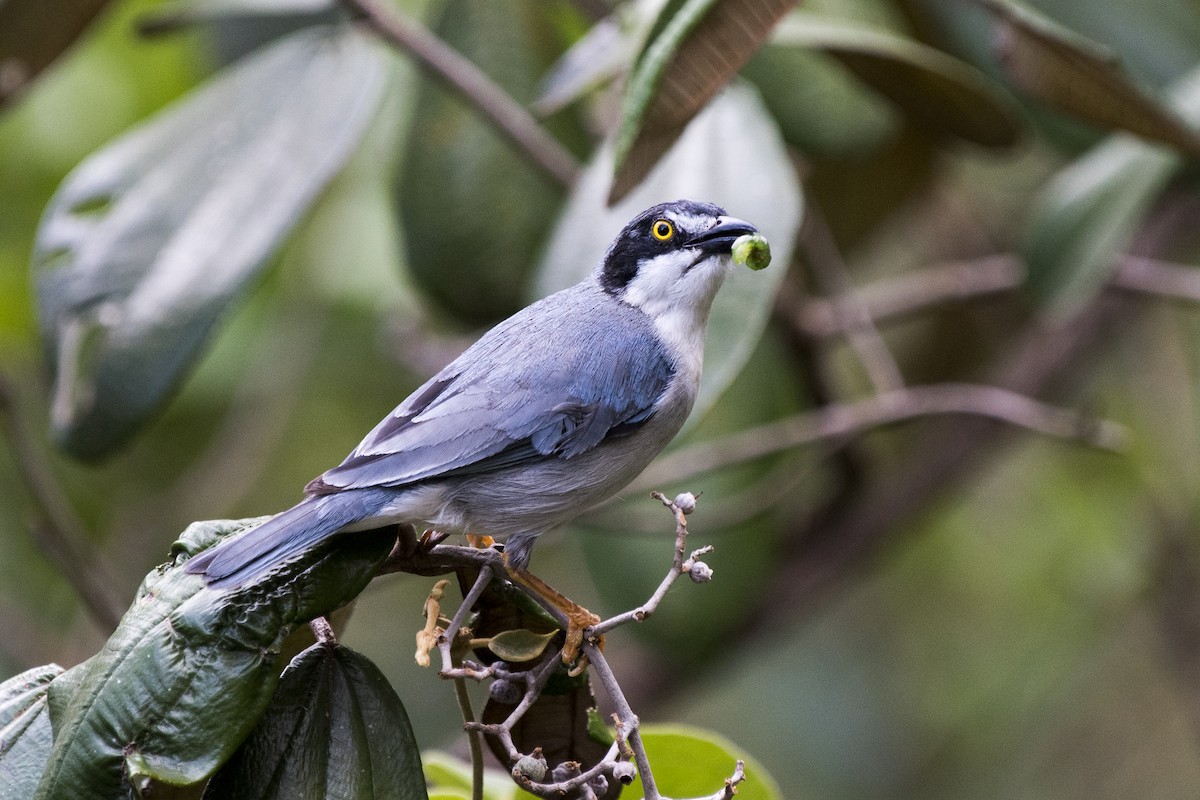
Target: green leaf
pixel 600 55
pixel 33 33
pixel 25 731
pixel 822 110
pixel 1082 78
pixel 691 762
pixel 1085 218
pixel 334 729
pixel 449 778
pixel 520 645
pixel 694 49
pixel 731 155
pixel 470 246
pixel 19 691
pixel 148 242
pixel 189 669
pixel 188 13
pixel 936 91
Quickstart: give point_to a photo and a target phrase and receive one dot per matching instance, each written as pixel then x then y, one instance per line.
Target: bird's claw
pixel 579 619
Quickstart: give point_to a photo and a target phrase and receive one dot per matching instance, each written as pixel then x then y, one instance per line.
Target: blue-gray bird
pixel 552 411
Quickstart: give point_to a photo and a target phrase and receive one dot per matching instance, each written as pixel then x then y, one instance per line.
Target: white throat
pixel 678 299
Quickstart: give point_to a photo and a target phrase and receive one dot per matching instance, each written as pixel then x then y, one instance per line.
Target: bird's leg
pixel 579 618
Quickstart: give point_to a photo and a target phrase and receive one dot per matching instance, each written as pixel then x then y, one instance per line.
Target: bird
pixel 550 412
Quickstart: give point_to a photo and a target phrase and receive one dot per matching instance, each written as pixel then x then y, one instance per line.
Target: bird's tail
pixel 282 537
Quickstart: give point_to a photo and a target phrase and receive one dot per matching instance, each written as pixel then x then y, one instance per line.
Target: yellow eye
pixel 662 230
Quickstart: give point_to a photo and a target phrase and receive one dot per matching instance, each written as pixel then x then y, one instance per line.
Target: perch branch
pixel 485 95
pixel 629 745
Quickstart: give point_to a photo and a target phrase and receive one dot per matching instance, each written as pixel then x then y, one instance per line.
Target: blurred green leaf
pixel 449 777
pixel 821 109
pixel 188 671
pixel 1079 77
pixel 474 212
pixel 520 645
pixel 694 49
pixel 148 242
pixel 334 729
pixel 1086 216
pixel 934 90
pixel 33 33
pixel 25 733
pixel 692 762
pixel 731 155
pixel 599 56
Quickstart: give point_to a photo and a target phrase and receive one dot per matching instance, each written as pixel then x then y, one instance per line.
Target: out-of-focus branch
pixel 958 281
pixel 1163 279
pixel 844 419
pixel 448 65
pixel 851 315
pixel 914 292
pixel 58 532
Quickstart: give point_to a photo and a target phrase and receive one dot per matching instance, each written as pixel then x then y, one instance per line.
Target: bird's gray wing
pixel 553 381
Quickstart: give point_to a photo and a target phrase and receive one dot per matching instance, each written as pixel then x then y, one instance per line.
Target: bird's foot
pixel 480 542
pixel 579 619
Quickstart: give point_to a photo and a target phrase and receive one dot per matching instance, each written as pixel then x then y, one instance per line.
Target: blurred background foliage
pixel 945 607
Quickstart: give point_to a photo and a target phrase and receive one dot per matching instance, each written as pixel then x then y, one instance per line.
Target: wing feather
pixel 553 381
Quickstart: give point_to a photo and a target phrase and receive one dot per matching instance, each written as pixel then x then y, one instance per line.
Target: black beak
pixel 720 237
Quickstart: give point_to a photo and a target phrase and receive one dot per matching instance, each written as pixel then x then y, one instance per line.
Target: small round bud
pixel 599 785
pixel 700 572
pixel 685 502
pixel 624 772
pixel 506 692
pixel 564 771
pixel 532 767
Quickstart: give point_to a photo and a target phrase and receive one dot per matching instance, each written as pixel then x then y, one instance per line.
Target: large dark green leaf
pixel 25 737
pixel 149 240
pixel 731 155
pixel 934 90
pixel 188 671
pixel 334 730
pixel 1087 215
pixel 1077 76
pixel 474 211
pixel 35 32
pixel 694 49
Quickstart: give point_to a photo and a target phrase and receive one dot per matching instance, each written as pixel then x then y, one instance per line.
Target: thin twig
pixel 58 532
pixel 962 399
pixel 829 271
pixel 679 566
pixel 485 95
pixel 322 630
pixel 629 720
pixel 572 781
pixel 474 741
